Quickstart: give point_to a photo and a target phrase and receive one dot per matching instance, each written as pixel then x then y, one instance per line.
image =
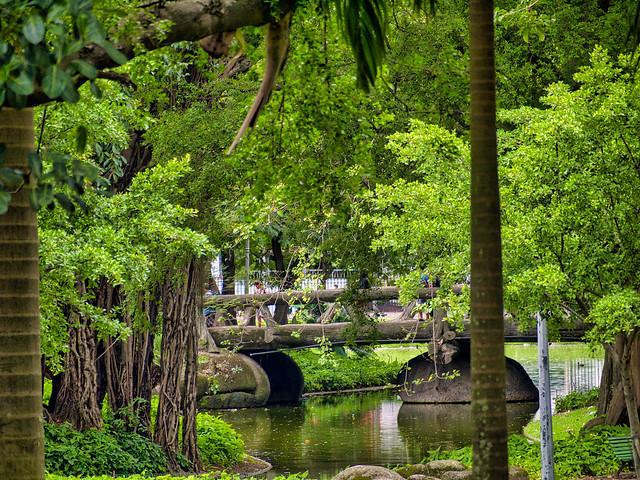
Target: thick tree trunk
pixel 21 435
pixel 190 406
pixel 488 366
pixel 629 398
pixel 77 400
pixel 178 298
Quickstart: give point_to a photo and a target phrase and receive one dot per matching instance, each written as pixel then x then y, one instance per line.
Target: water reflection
pixel 425 427
pixel 324 435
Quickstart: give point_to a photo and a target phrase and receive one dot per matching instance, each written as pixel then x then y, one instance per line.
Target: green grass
pixel 565 424
pixel 399 353
pixel 559 352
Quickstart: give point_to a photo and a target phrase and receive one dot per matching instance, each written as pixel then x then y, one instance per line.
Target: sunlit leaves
pixel 38 42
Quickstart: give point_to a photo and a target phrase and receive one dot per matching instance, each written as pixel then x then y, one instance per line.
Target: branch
pixel 191 20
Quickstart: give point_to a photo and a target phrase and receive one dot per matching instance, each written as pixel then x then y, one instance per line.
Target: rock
pixel 231 380
pixel 419 476
pixel 517 473
pixel 408 471
pixel 519 387
pixel 431 469
pixel 436 467
pixel 457 475
pixel 367 472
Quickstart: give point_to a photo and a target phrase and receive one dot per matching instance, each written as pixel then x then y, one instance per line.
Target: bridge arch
pixel 285 377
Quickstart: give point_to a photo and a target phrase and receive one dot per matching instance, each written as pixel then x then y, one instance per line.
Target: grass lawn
pixel 564 424
pixel 400 353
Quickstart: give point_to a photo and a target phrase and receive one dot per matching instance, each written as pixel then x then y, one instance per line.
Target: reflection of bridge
pixel 405 330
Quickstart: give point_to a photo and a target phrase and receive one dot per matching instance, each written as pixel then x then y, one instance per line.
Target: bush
pixel 94 452
pixel 220 445
pixel 576 457
pixel 575 400
pixel 333 371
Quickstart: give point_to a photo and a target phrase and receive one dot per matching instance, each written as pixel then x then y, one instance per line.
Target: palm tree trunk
pixel 21 435
pixel 487 344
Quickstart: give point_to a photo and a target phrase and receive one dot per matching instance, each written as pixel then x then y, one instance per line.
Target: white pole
pixel 544 387
pixel 247 265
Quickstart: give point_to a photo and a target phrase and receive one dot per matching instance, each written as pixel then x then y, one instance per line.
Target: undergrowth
pixel 575 457
pixel 575 400
pixel 343 370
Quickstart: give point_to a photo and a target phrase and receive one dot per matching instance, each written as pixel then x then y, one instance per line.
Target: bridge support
pixel 235 380
pixel 424 382
pixel 285 376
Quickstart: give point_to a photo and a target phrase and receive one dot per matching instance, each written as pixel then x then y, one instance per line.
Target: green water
pixel 324 435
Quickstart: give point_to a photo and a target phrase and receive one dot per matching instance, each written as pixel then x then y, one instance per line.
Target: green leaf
pixel 2 94
pixel 11 178
pixel 64 202
pixel 90 29
pixel 81 138
pixel 33 28
pixel 33 199
pixel 70 94
pixel 22 84
pixel 55 81
pixel 35 164
pixel 115 54
pixel 85 69
pixel 5 198
pixel 95 90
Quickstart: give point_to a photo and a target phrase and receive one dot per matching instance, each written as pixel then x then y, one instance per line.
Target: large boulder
pixel 457 475
pixel 452 384
pixel 367 472
pixel 231 380
pixel 434 468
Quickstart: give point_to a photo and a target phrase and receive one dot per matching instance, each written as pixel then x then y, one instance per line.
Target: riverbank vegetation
pixel 119 450
pixel 346 369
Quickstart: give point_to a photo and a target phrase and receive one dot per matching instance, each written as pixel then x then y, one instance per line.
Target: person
pixel 420 303
pixel 363 282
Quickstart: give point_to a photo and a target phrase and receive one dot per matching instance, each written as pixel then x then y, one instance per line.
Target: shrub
pixel 220 445
pixel 70 452
pixel 331 371
pixel 576 457
pixel 575 400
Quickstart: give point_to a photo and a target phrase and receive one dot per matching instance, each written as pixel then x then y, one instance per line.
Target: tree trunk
pixel 143 365
pixel 178 299
pixel 77 400
pixel 281 313
pixel 190 407
pixel 629 398
pixel 228 284
pixel 21 435
pixel 488 365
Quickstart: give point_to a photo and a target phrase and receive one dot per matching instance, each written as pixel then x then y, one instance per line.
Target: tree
pixel 571 184
pixel 487 323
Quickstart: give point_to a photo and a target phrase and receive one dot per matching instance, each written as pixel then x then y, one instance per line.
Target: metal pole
pixel 544 387
pixel 247 265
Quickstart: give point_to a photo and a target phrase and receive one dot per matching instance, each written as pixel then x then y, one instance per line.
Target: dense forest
pixel 122 126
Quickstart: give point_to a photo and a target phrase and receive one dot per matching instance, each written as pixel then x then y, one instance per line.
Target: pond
pixel 323 435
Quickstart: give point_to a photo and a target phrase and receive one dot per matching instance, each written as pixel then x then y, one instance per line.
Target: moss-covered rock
pixel 457 475
pixel 517 473
pixel 434 468
pixel 367 472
